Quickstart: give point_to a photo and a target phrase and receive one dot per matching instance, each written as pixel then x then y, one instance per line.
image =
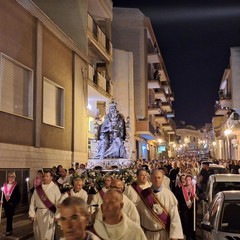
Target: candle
pixel 28 186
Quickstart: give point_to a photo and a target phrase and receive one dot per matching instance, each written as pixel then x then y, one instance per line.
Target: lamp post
pixel 227 132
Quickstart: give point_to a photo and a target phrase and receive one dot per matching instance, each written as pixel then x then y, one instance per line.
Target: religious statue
pixel 112 134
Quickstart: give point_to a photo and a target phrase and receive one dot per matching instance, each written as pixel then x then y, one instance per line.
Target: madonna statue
pixel 112 134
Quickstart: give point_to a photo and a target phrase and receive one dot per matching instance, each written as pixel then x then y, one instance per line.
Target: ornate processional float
pixel 111 147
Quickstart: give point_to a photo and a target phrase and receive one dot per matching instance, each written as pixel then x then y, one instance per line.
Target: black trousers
pixel 9 209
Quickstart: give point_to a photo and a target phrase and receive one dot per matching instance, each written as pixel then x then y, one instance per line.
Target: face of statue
pixel 112 109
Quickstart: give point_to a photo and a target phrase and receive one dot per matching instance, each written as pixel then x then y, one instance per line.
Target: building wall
pixel 57 67
pixel 235 62
pixel 124 90
pixel 42 47
pixel 17 41
pixel 70 16
pixel 128 33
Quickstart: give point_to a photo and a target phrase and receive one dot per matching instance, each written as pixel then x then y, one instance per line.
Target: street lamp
pixel 227 132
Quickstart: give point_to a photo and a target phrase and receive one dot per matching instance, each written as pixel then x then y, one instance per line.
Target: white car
pixel 218 183
pixel 221 182
pixel 221 222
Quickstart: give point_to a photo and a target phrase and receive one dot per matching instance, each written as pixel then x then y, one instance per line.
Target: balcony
pixel 225 98
pixel 160 94
pixel 99 84
pixel 145 129
pixel 153 84
pixel 161 118
pixel 167 127
pixel 98 42
pixel 233 122
pixel 167 106
pixel 220 110
pixel 170 114
pixel 153 57
pixel 155 108
pixel 163 77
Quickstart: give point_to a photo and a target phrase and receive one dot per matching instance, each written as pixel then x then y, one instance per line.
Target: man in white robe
pixel 43 218
pixel 142 182
pixel 74 219
pixel 153 227
pixel 97 199
pixel 112 223
pixel 76 191
pixel 128 208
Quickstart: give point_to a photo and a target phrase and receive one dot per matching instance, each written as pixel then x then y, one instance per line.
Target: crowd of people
pixel 160 202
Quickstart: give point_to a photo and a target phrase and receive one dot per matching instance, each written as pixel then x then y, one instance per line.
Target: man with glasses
pixel 74 219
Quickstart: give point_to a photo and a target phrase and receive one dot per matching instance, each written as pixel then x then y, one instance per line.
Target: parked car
pixel 218 183
pixel 216 168
pixel 221 220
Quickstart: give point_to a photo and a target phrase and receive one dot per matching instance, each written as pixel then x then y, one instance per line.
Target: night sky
pixel 195 39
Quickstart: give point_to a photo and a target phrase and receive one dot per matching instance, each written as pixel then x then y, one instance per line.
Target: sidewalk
pixel 22 228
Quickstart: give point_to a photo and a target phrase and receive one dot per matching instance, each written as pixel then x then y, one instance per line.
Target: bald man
pixel 158 211
pixel 129 208
pixel 112 223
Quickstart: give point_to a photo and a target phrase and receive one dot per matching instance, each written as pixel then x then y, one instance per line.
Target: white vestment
pixel 90 236
pixel 125 230
pixel 131 193
pixel 166 182
pixel 97 199
pixel 128 208
pixel 152 227
pixel 44 225
pixel 81 194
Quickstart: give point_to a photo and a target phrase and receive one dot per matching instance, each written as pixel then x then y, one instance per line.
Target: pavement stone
pixel 22 228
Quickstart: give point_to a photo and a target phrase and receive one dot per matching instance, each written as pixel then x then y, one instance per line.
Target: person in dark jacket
pixel 11 198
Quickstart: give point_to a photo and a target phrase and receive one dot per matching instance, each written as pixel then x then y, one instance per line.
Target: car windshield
pixel 225 186
pixel 229 222
pixel 219 170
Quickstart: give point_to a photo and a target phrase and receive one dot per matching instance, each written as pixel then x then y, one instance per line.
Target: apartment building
pixel 43 88
pixel 132 32
pixel 226 121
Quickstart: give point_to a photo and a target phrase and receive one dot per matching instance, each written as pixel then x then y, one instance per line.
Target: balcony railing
pixel 219 110
pixel 100 80
pixel 224 95
pixel 100 37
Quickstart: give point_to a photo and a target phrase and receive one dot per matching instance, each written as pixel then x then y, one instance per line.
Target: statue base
pixel 108 163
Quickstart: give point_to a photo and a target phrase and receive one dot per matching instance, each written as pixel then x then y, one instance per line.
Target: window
pixel 53 103
pixel 16 88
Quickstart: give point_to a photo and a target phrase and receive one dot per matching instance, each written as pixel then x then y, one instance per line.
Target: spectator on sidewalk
pixel 11 198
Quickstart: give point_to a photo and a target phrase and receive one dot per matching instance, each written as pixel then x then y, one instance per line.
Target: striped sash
pixel 42 195
pixel 160 213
